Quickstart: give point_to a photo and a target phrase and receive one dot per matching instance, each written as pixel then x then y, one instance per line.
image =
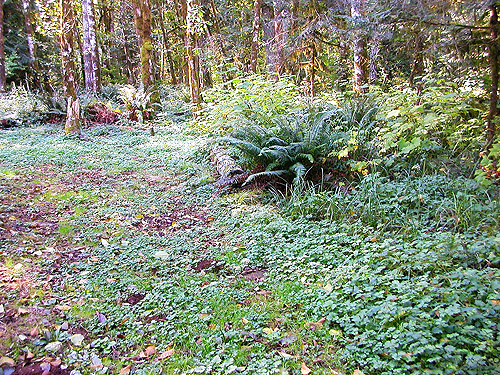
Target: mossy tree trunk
pixel 90 50
pixel 257 7
pixel 3 83
pixel 30 37
pixel 67 24
pixel 190 9
pixel 359 47
pixel 493 55
pixel 142 18
pixel 282 18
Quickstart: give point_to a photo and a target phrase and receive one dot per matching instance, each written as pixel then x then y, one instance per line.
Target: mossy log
pixel 229 171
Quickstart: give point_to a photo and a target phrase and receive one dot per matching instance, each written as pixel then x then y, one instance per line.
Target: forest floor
pixel 120 256
pixel 112 263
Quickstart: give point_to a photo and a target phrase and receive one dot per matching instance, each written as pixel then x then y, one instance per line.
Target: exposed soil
pixel 254 274
pixel 135 298
pixel 35 369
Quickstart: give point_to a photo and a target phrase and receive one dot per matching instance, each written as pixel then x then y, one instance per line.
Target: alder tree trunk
pixel 190 10
pixel 257 7
pixel 142 17
pixel 493 52
pixel 3 82
pixel 90 50
pixel 268 34
pixel 30 36
pixel 373 65
pixel 66 25
pixel 417 69
pixel 359 48
pixel 166 46
pixel 281 30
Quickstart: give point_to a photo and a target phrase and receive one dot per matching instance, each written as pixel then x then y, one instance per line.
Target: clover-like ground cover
pixel 119 256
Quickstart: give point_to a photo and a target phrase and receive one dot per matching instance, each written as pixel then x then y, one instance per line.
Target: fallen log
pixel 230 172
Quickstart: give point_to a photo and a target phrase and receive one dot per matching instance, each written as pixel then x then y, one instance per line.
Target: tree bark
pixel 359 47
pixel 255 35
pixel 493 52
pixel 417 69
pixel 33 63
pixel 3 82
pixel 66 24
pixel 226 166
pixel 190 9
pixel 142 17
pixel 166 46
pixel 90 50
pixel 281 29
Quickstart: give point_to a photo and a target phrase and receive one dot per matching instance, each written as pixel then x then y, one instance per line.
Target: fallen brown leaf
pixel 34 332
pixel 304 370
pixel 56 362
pixel 63 307
pixel 166 354
pixel 126 370
pixel 150 350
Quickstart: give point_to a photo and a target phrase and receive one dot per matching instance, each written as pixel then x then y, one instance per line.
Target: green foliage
pixel 395 301
pixel 489 174
pixel 20 107
pixel 446 120
pixel 227 103
pixel 292 144
pixel 431 203
pixel 137 102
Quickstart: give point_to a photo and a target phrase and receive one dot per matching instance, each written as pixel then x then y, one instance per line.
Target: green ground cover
pixel 120 239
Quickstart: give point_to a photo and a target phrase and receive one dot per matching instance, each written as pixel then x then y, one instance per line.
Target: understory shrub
pixel 307 143
pixel 226 104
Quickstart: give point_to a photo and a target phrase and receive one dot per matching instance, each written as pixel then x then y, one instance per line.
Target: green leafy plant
pixel 489 173
pixel 294 144
pixel 137 102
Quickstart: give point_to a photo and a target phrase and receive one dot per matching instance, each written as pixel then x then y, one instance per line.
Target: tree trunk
pixel 493 52
pixel 255 35
pixel 417 69
pixel 3 83
pixel 360 55
pixel 66 24
pixel 90 50
pixel 142 17
pixel 268 34
pixel 193 61
pixel 373 67
pixel 281 29
pixel 27 7
pixel 166 46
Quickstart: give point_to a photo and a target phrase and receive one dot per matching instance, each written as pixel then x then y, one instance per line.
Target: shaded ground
pixel 118 256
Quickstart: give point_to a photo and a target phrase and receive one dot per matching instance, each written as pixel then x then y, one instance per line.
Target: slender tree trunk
pixel 190 7
pixel 90 50
pixel 166 46
pixel 3 82
pixel 67 20
pixel 281 30
pixel 359 47
pixel 142 17
pixel 373 65
pixel 267 14
pixel 255 35
pixel 493 52
pixel 27 8
pixel 312 73
pixel 417 69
